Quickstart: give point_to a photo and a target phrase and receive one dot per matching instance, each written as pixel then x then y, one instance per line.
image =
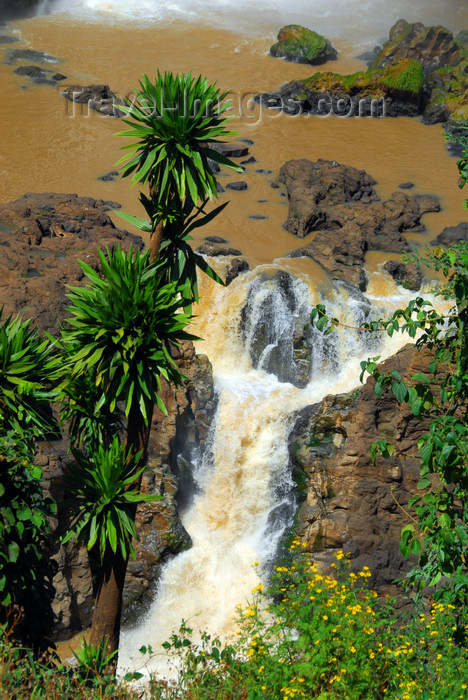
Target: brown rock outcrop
pixel 340 204
pixel 351 504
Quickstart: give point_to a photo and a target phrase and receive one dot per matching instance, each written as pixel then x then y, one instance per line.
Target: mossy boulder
pixel 399 86
pixel 302 45
pixel 433 47
pixel 448 89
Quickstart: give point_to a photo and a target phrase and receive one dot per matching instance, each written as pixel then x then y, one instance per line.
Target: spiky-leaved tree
pixel 174 121
pixel 118 336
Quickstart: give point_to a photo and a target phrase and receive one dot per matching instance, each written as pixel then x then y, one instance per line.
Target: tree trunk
pixel 107 613
pixel 156 240
pixel 109 583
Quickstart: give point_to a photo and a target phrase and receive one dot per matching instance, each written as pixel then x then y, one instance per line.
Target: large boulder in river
pixel 340 205
pixel 302 45
pixel 445 63
pixel 433 47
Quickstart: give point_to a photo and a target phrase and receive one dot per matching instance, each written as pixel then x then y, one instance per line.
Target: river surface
pixel 45 145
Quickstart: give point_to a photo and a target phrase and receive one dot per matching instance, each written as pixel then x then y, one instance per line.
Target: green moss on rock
pixel 302 45
pixel 404 77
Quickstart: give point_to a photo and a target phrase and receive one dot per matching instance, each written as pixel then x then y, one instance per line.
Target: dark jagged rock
pixel 302 45
pixel 230 150
pixel 312 187
pixel 215 239
pixel 215 250
pixel 249 161
pixel 433 47
pixel 97 97
pixel 452 234
pixel 31 71
pixel 236 267
pixel 342 207
pixel 407 275
pixel 278 330
pixel 238 185
pixel 350 504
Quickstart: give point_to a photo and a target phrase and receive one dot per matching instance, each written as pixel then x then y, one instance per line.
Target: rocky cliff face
pixel 350 504
pixel 43 237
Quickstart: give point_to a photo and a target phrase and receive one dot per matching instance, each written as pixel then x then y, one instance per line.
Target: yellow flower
pixel 325 617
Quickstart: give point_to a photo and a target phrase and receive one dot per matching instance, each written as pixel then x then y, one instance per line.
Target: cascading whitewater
pixel 364 20
pixel 245 500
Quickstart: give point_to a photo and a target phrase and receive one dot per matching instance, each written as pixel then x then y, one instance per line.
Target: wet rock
pixel 214 250
pixel 98 97
pixel 369 56
pixel 110 176
pixel 236 267
pixel 238 186
pixel 31 55
pixel 249 161
pixel 311 187
pixel 6 39
pixel 275 326
pixel 262 171
pixel 350 504
pixel 219 188
pixel 406 185
pixel 407 275
pixel 452 234
pixel 302 45
pixel 342 207
pixel 31 71
pixel 59 76
pixel 215 239
pixel 249 142
pixel 230 150
pixel 257 217
pixel 433 47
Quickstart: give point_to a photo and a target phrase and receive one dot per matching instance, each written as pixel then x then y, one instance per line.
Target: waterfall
pixel 246 497
pixel 363 21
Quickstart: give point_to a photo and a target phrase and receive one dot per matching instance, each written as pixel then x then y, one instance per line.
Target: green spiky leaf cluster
pixel 102 498
pixel 173 120
pixel 120 329
pixel 179 259
pixel 28 363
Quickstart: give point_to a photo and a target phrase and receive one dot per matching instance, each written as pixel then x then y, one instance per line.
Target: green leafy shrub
pixel 26 571
pixel 314 635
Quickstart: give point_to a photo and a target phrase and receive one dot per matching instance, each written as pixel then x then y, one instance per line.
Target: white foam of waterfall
pixel 364 20
pixel 246 498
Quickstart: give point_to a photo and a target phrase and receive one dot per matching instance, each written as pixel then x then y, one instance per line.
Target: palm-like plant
pixel 28 363
pixel 175 120
pixel 119 333
pixel 104 503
